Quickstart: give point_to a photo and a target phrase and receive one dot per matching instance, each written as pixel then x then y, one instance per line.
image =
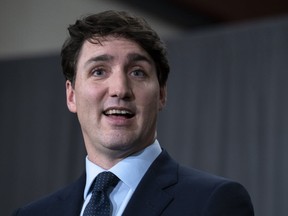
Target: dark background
pixel 227 113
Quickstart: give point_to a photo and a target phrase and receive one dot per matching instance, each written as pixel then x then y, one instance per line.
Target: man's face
pixel 116 96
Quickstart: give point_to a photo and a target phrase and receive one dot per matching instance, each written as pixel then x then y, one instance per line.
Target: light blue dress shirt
pixel 130 171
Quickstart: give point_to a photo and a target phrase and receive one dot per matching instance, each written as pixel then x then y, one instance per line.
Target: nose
pixel 120 86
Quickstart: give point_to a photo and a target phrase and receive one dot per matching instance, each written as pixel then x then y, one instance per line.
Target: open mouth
pixel 119 112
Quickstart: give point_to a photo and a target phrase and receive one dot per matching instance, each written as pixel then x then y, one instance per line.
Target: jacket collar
pixel 71 200
pixel 153 194
pixel 155 191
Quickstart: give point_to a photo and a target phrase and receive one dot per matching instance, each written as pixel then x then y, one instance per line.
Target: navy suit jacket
pixel 166 189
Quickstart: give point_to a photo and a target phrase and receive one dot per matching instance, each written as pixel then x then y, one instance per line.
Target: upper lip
pixel 118 111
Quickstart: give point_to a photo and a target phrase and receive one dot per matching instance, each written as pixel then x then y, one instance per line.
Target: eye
pixel 138 73
pixel 98 72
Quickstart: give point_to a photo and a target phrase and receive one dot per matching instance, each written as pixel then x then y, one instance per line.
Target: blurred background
pixel 227 110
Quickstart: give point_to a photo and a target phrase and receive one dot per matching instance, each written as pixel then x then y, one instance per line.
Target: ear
pixel 70 97
pixel 163 97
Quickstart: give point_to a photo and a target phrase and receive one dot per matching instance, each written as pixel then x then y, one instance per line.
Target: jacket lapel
pixel 70 202
pixel 154 193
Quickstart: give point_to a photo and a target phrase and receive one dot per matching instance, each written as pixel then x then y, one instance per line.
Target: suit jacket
pixel 166 189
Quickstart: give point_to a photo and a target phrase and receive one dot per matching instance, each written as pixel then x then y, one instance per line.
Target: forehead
pixel 118 48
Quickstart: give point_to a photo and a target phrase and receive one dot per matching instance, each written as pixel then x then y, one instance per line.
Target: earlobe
pixel 163 97
pixel 70 97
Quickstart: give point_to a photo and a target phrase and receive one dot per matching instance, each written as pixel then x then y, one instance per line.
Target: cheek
pixel 149 99
pixel 88 99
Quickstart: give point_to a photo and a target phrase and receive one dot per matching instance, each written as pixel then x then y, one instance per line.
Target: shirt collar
pixel 137 165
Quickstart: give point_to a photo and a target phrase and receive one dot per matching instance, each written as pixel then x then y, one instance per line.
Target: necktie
pixel 99 203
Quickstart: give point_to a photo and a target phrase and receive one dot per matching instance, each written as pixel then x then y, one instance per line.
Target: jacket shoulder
pixel 56 203
pixel 214 195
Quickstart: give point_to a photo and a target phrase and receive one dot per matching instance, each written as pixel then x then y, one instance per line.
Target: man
pixel 116 71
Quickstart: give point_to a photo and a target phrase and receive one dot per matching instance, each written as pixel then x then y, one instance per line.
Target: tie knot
pixel 105 180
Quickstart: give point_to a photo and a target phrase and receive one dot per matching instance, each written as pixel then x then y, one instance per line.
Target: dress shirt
pixel 130 171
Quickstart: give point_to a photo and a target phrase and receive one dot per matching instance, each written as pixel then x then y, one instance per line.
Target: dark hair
pixel 119 24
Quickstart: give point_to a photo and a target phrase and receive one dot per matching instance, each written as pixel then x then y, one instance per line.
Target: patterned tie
pixel 99 203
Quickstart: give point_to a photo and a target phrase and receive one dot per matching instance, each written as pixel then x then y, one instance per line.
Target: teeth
pixel 117 112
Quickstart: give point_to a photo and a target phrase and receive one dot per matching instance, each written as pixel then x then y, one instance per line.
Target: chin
pixel 119 145
pixel 124 146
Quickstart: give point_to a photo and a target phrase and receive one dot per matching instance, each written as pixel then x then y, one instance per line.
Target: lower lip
pixel 119 120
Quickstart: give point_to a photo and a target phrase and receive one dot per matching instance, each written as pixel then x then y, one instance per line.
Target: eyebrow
pixel 103 58
pixel 132 57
